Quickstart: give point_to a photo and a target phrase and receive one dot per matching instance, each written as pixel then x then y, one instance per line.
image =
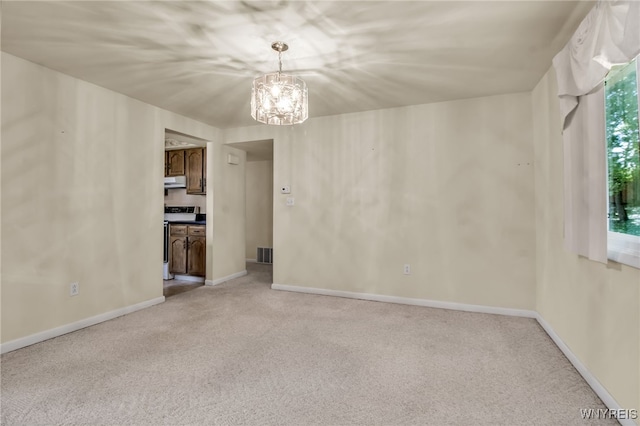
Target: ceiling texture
pixel 198 58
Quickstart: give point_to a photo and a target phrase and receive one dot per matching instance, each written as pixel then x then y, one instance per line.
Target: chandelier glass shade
pixel 278 98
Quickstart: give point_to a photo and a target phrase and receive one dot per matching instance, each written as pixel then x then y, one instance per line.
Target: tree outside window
pixel 623 149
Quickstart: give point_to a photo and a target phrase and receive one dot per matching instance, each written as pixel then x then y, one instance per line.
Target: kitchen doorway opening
pixel 185 215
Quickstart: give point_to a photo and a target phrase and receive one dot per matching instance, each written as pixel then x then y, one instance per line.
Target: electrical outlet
pixel 291 201
pixel 407 269
pixel 74 289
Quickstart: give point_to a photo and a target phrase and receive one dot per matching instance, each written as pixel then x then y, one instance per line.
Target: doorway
pixel 185 204
pixel 259 202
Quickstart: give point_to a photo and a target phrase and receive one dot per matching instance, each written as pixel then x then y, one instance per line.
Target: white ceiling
pixel 198 58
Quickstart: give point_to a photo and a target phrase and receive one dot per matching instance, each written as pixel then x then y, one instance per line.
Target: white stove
pixel 174 213
pixel 189 213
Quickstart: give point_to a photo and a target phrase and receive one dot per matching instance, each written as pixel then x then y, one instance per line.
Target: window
pixel 623 155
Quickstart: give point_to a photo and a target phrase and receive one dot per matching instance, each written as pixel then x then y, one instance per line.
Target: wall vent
pixel 264 255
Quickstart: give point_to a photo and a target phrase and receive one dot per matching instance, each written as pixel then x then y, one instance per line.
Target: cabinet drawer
pixel 178 230
pixel 197 231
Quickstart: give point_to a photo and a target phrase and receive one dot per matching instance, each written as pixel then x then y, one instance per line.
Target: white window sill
pixel 624 248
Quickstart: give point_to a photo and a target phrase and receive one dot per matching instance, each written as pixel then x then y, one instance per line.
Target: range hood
pixel 175 182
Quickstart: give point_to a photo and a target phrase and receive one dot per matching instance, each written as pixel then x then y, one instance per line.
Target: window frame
pixel 623 248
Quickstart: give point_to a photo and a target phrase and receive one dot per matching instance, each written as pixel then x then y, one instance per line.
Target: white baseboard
pixel 225 279
pixel 252 260
pixel 409 301
pixel 75 326
pixel 591 380
pixel 190 278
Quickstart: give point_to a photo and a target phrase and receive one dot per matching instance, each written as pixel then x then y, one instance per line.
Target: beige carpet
pixel 241 353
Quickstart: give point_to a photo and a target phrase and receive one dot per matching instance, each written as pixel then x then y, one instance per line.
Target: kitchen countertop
pixel 188 222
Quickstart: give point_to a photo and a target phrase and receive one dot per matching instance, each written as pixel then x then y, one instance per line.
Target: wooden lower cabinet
pixel 178 255
pixel 196 259
pixel 187 250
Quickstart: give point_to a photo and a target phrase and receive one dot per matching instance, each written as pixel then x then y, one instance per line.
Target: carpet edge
pixel 591 380
pixel 408 301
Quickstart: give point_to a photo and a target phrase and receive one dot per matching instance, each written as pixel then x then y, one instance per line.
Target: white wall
pixel 82 198
pixel 446 187
pixel 226 217
pixel 259 206
pixel 594 308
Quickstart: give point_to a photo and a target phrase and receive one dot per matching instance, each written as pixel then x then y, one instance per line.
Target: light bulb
pixel 284 104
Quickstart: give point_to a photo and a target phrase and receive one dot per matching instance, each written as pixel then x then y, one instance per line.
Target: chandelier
pixel 278 98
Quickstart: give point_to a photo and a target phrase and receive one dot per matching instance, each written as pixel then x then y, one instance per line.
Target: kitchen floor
pixel 173 287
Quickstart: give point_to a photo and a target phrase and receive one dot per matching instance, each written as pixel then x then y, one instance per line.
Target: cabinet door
pixel 178 255
pixel 195 169
pixel 175 163
pixel 196 256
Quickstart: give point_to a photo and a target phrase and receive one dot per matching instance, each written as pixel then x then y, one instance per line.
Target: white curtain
pixel 585 178
pixel 609 35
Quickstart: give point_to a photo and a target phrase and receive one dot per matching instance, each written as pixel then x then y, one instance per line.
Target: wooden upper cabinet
pixel 196 170
pixel 204 170
pixel 174 163
pixel 166 163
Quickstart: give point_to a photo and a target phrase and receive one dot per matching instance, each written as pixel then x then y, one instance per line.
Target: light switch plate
pixel 285 189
